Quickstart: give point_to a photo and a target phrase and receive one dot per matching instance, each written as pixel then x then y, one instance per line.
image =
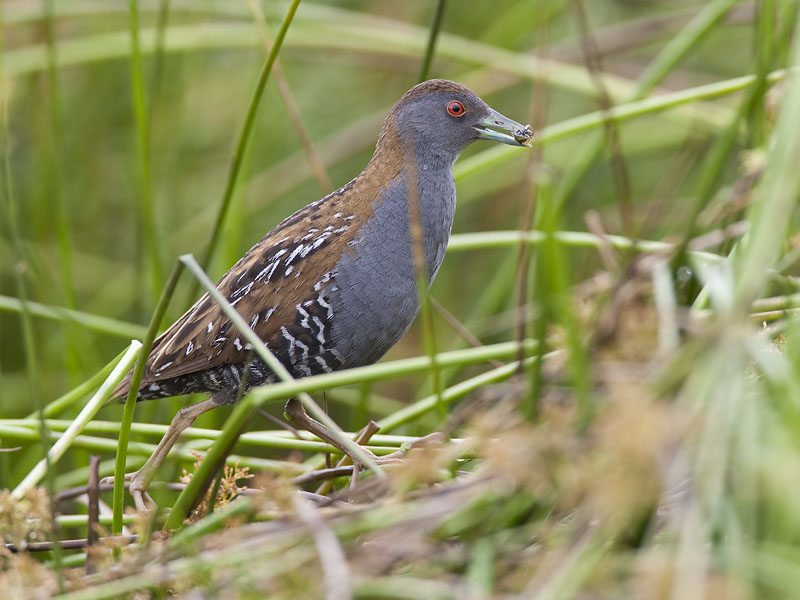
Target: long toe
pixel 144 502
pixel 110 479
pixel 437 437
pixel 389 459
pixel 141 498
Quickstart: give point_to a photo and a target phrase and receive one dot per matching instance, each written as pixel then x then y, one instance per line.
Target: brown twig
pixel 460 328
pixel 594 224
pixel 116 540
pixel 623 36
pixel 80 490
pixel 323 474
pixel 281 423
pixel 353 483
pixel 718 236
pixel 320 499
pixel 619 170
pixel 362 438
pixel 93 508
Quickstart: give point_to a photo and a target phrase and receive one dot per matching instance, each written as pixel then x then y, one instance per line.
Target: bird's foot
pixel 138 489
pixel 387 459
pixel 397 457
pixel 136 483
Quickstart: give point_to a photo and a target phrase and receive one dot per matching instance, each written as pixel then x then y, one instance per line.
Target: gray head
pixel 441 118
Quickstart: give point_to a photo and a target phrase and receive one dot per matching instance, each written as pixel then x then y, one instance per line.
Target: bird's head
pixel 444 117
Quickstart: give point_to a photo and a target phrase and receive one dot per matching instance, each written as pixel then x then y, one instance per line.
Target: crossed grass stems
pixel 386 444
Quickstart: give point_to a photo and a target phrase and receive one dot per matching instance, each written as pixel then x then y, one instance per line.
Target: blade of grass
pixel 555 281
pixel 776 197
pixel 143 450
pixel 99 323
pixel 669 57
pixel 421 407
pixel 145 204
pixel 681 44
pixel 666 308
pixel 158 60
pixel 314 161
pixel 133 391
pixel 80 520
pixel 433 34
pixel 529 403
pixel 267 439
pixel 535 185
pixel 56 187
pixel 244 138
pixel 76 426
pixel 23 429
pixel 577 239
pixel 750 112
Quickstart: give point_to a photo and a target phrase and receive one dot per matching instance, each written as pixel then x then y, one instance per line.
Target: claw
pixel 389 459
pixel 436 437
pixel 144 502
pixel 110 479
pixel 137 486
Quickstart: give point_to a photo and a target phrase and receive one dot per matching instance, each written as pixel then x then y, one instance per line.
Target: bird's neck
pixel 396 154
pixel 399 172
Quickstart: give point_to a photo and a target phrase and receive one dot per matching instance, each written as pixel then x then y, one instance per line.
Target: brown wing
pixel 287 267
pixel 265 286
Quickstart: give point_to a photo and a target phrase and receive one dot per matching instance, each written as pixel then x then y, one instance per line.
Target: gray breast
pixel 375 300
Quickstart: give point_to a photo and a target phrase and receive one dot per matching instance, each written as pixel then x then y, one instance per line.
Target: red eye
pixel 455 108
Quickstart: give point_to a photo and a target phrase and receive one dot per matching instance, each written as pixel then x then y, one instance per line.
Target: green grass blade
pixel 433 34
pixel 58 449
pixel 97 323
pixel 244 136
pixel 145 205
pixel 133 391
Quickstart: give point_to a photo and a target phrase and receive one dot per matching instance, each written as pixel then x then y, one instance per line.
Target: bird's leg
pixel 294 409
pixel 140 480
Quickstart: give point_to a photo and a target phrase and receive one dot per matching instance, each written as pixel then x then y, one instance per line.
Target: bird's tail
pixel 147 390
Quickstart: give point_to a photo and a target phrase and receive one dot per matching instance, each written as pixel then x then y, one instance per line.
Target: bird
pixel 334 285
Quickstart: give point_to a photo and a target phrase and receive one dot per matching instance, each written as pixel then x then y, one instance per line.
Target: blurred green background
pixel 71 140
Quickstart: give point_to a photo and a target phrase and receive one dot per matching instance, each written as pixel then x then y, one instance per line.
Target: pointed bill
pixel 499 128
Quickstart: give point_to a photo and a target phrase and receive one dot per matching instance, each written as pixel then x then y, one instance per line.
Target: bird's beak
pixel 502 129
